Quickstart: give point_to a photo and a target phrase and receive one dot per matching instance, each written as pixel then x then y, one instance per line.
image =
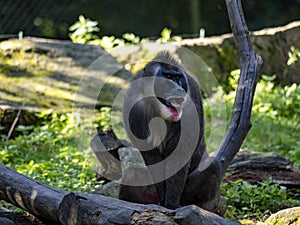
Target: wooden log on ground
pixel 55 206
pixel 33 196
pixel 4 221
pixel 256 167
pixel 23 218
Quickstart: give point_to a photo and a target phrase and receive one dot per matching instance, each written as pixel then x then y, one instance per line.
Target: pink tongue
pixel 173 111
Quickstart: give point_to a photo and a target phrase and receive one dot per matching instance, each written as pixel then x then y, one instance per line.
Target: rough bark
pixel 256 167
pixel 61 207
pixel 23 218
pixel 104 145
pixel 33 196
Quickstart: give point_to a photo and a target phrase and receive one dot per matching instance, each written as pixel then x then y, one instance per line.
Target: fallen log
pixel 20 218
pixel 256 167
pixel 4 221
pixel 55 206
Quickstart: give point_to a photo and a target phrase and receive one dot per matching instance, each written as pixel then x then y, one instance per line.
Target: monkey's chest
pixel 165 143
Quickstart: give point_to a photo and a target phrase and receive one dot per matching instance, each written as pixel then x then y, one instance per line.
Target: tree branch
pixel 251 66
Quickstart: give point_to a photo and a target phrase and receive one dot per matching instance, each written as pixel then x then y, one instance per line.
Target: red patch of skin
pixel 150 198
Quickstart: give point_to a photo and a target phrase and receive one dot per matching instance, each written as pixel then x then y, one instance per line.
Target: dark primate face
pixel 170 88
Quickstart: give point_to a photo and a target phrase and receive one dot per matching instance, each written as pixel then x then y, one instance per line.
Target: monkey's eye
pixel 177 77
pixel 168 76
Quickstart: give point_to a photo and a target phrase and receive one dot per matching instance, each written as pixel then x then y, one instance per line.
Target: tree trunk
pixel 57 206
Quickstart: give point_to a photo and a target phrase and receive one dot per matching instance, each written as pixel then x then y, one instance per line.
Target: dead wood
pixel 55 206
pixel 251 66
pixel 256 167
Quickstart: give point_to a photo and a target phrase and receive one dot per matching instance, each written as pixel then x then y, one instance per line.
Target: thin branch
pixel 13 125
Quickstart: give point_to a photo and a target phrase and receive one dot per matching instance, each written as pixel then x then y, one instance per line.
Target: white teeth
pixel 175 104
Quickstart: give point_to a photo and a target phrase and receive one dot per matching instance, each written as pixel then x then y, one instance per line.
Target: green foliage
pixel 131 38
pixel 275 102
pixel 104 120
pixel 294 55
pixel 49 153
pixel 246 200
pixel 276 122
pixel 83 31
pixel 166 36
pixel 275 117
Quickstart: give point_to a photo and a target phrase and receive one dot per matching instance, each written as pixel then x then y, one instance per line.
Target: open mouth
pixel 167 103
pixel 173 105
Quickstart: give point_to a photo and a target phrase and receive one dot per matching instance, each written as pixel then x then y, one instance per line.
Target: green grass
pixel 275 119
pixel 50 154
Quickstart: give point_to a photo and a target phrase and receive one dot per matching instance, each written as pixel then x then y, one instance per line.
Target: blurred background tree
pixel 52 19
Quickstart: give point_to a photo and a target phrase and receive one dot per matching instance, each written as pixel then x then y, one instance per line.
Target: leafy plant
pixel 166 36
pixel 131 38
pixel 103 121
pixel 275 117
pixel 294 55
pixel 247 200
pixel 83 31
pixel 283 102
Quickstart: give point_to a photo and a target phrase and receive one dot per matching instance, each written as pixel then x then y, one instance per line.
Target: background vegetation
pixel 49 152
pixel 185 17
